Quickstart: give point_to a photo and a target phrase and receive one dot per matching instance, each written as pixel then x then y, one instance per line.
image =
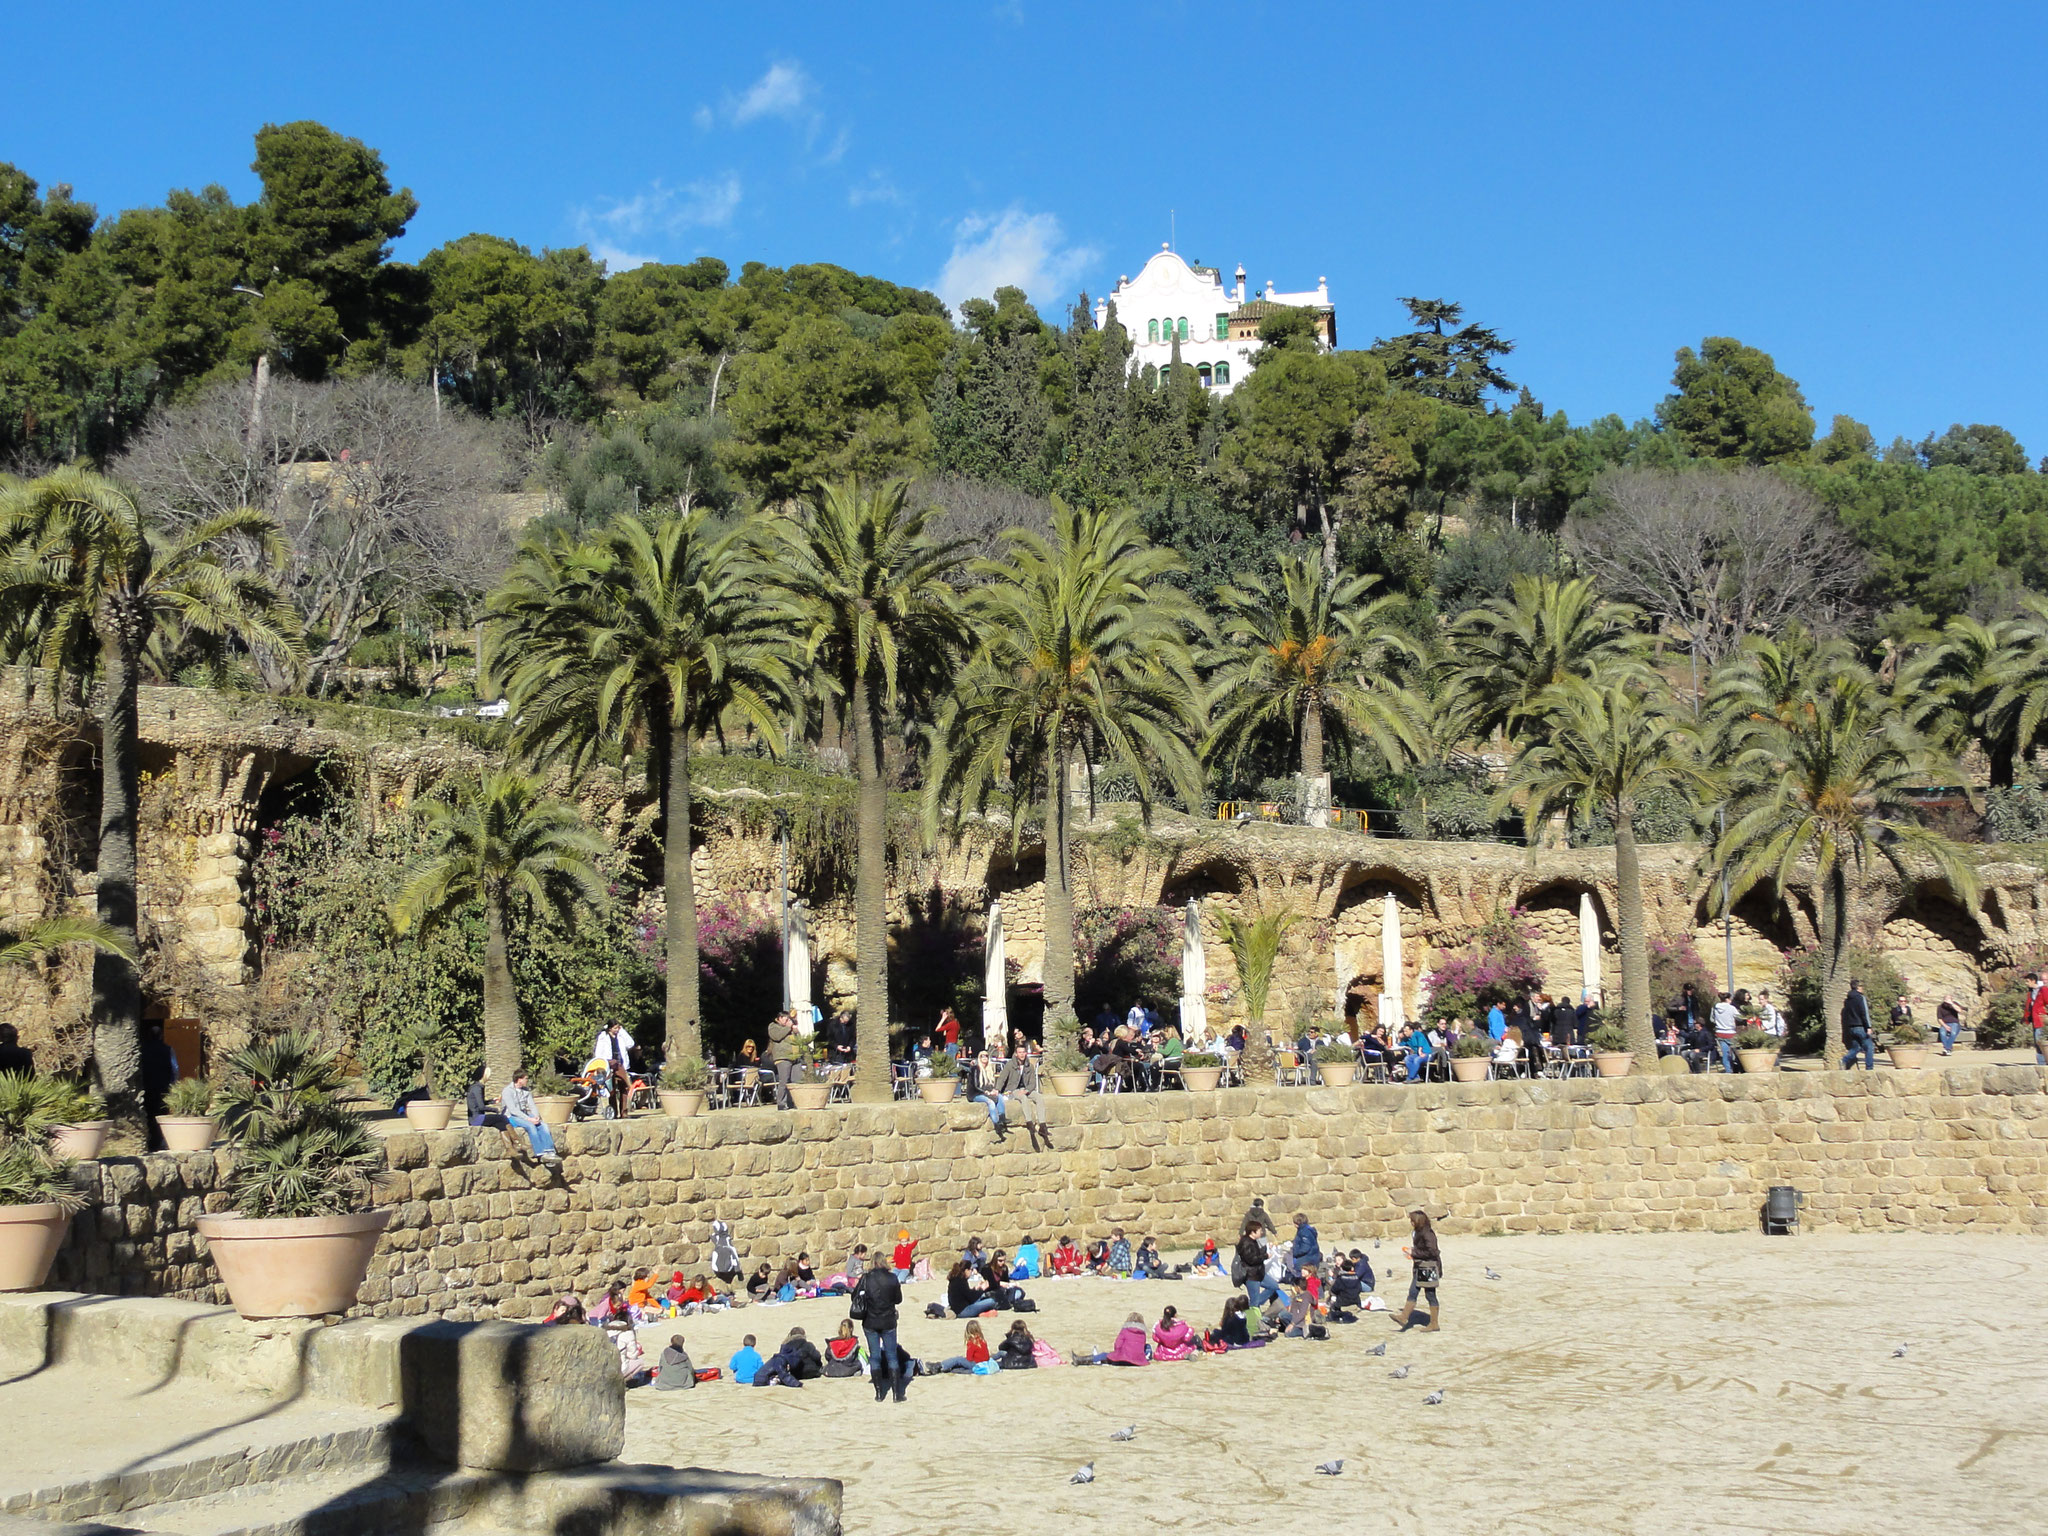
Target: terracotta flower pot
pixel 1199 1079
pixel 1470 1069
pixel 938 1090
pixel 30 1236
pixel 81 1141
pixel 429 1114
pixel 1337 1074
pixel 1907 1057
pixel 1069 1085
pixel 555 1108
pixel 810 1095
pixel 1613 1063
pixel 293 1266
pixel 1758 1061
pixel 187 1133
pixel 681 1102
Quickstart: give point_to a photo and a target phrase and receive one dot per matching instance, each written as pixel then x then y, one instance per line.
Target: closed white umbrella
pixel 796 966
pixel 1194 978
pixel 1589 946
pixel 995 983
pixel 1391 1014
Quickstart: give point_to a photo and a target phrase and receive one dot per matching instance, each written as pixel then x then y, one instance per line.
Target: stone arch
pixel 1940 949
pixel 1210 878
pixel 1551 908
pixel 1354 965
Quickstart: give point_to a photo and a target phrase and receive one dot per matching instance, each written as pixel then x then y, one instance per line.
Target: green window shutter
pixel 1223 327
pixel 1183 327
pixel 1223 373
pixel 1151 330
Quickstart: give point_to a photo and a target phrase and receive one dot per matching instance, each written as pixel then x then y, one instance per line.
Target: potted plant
pixel 187 1122
pixel 1068 1070
pixel 1470 1058
pixel 944 1082
pixel 682 1087
pixel 1336 1064
pixel 1907 1045
pixel 301 1238
pixel 553 1096
pixel 811 1088
pixel 1757 1051
pixel 36 1194
pixel 1611 1056
pixel 81 1126
pixel 1201 1071
pixel 433 1112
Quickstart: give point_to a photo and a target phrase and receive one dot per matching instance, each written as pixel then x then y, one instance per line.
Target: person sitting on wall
pixel 477 1105
pixel 523 1114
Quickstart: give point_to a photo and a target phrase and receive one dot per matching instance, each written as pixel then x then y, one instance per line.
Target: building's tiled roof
pixel 1258 309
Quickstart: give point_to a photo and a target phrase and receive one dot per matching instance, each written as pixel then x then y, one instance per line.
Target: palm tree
pixel 647 634
pixel 1603 745
pixel 86 584
pixel 1312 659
pixel 2013 723
pixel 1820 763
pixel 1254 942
pixel 499 841
pixel 30 942
pixel 1084 658
pixel 1960 687
pixel 1507 652
pixel 878 612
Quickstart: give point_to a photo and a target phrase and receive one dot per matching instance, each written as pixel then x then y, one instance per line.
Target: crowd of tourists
pixel 1282 1287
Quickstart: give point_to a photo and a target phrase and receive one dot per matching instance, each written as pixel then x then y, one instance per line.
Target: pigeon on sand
pixel 1433 1399
pixel 1400 1373
pixel 1085 1475
pixel 1330 1468
pixel 1377 1349
pixel 1128 1432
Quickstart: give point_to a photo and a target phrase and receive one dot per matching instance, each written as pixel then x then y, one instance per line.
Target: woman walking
pixel 1429 1270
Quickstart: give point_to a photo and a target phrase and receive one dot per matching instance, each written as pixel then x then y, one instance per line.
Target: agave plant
pixel 299 1153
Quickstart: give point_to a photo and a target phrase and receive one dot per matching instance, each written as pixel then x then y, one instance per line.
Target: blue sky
pixel 1858 189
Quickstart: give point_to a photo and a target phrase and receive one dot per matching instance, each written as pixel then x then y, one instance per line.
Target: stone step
pixel 406 1497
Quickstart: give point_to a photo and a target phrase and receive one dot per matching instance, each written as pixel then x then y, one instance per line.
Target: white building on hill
pixel 1217 327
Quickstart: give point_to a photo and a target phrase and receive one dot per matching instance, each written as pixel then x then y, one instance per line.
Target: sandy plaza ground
pixel 1692 1383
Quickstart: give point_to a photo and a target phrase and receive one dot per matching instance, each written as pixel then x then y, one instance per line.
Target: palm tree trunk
pixel 116 988
pixel 1312 738
pixel 1630 934
pixel 831 734
pixel 1834 946
pixel 679 891
pixel 870 909
pixel 1059 897
pixel 503 1037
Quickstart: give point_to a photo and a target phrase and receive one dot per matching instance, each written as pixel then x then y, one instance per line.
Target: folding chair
pixel 1287 1070
pixel 748 1090
pixel 903 1079
pixel 1169 1075
pixel 841 1079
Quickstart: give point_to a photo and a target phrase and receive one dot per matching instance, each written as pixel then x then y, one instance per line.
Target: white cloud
pixel 660 210
pixel 784 91
pixel 878 188
pixel 703 118
pixel 1015 249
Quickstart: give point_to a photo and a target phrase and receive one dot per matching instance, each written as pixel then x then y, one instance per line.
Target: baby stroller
pixel 593 1092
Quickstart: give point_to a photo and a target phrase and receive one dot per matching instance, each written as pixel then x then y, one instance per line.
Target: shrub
pixel 1472 1045
pixel 2017 813
pixel 686 1074
pixel 1909 1032
pixel 1447 805
pixel 1499 966
pixel 1673 963
pixel 1608 1039
pixel 1662 816
pixel 190 1097
pixel 946 1063
pixel 2002 1025
pixel 1125 954
pixel 298 1152
pixel 30 1107
pixel 1806 1030
pixel 1754 1040
pixel 1196 1059
pixel 1336 1053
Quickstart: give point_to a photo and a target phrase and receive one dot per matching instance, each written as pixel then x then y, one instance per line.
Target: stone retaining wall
pixel 481 1230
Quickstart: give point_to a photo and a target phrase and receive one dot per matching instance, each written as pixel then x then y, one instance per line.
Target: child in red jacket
pixel 1066 1259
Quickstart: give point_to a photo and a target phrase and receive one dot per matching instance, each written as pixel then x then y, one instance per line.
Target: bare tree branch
pixel 1716 554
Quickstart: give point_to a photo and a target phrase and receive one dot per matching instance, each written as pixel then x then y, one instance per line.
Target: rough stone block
pixel 512 1396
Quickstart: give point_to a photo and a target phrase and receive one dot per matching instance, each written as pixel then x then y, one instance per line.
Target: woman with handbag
pixel 1429 1270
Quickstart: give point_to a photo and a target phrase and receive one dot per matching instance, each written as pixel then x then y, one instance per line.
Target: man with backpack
pixel 873 1305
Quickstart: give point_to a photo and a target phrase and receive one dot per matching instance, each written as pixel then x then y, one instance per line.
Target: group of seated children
pixel 797 1361
pixel 1112 1256
pixel 643 1300
pixel 798 1281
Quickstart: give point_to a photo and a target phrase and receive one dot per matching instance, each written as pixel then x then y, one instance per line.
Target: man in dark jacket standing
pixel 781 1056
pixel 1856 1031
pixel 876 1296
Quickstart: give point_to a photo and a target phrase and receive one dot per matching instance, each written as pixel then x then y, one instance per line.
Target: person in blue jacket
pixel 745 1362
pixel 1307 1252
